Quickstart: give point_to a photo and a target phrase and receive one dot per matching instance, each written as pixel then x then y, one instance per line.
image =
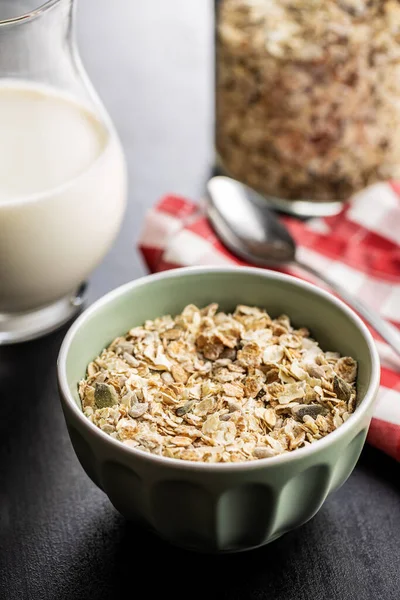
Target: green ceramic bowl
pixel 218 507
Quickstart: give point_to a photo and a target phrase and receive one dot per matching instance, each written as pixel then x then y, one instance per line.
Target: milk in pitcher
pixel 62 194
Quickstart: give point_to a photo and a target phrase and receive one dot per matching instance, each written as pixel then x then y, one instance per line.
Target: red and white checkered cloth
pixel 360 248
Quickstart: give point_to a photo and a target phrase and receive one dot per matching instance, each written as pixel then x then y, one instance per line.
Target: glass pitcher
pixel 62 170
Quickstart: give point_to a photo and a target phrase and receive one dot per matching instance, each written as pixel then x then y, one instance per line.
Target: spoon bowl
pixel 246 225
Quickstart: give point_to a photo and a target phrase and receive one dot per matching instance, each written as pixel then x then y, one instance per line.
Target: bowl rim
pixel 299 453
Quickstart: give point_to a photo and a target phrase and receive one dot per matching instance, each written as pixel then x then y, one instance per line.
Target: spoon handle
pixel 385 330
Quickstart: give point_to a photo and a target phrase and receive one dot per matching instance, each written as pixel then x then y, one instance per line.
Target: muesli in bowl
pixel 216 387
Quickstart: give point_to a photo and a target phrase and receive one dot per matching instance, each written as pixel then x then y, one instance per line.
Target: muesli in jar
pixel 308 95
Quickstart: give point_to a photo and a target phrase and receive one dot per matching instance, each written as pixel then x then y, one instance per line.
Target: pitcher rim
pixel 32 14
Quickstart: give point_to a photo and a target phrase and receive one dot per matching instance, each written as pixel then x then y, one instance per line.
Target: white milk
pixel 62 194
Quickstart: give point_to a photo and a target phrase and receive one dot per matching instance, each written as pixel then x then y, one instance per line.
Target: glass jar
pixel 308 98
pixel 62 170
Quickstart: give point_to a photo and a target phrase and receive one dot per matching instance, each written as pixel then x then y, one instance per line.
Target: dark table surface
pixel 60 538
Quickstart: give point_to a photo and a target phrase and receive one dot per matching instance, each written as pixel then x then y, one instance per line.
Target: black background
pixel 60 538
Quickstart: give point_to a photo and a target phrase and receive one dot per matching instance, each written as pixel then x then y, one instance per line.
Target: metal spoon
pixel 251 230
